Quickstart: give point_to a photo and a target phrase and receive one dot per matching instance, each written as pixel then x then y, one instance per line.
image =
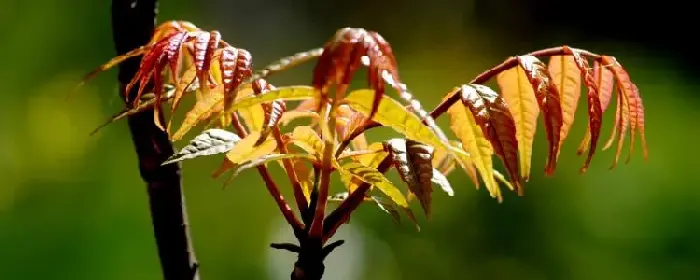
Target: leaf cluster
pixel 254 123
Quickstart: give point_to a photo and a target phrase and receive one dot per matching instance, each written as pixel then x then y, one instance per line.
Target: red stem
pixel 302 204
pixel 329 138
pixel 270 184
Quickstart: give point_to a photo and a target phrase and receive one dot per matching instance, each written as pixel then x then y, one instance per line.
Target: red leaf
pixel 605 82
pixel 236 66
pixel 227 62
pixel 629 111
pixel 342 56
pixel 640 123
pixel 168 28
pixel 113 62
pixel 201 47
pixel 491 113
pixel 243 69
pixel 145 72
pixel 158 89
pixel 214 40
pixel 173 50
pixel 549 103
pixel 595 111
pixel 273 110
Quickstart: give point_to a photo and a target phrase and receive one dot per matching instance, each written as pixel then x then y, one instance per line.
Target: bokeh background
pixel 74 207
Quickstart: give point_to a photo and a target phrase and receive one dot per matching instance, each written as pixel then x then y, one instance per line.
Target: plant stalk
pixel 328 133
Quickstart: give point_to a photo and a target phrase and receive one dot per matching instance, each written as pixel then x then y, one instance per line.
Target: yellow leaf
pixel 392 114
pixel 201 111
pixel 290 116
pixel 281 93
pixel 475 143
pixel 372 159
pixel 308 140
pixel 266 158
pixel 215 68
pixel 359 143
pixel 520 97
pixel 207 104
pixel 465 162
pixel 253 117
pixel 567 78
pixel 245 150
pixel 377 179
pixel 185 80
pixel 304 175
pixel 443 162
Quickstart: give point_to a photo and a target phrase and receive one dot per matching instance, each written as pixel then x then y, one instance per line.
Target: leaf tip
pixel 583 169
pixel 550 168
pixel 170 160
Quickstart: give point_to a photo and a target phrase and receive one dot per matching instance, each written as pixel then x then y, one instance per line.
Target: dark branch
pixel 286 246
pixel 133 23
pixel 330 247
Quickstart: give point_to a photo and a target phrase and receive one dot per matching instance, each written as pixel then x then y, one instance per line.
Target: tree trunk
pixel 133 23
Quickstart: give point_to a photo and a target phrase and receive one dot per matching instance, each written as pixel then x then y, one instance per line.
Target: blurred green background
pixel 74 207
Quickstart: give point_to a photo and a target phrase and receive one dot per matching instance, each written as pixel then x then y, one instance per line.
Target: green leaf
pixel 210 142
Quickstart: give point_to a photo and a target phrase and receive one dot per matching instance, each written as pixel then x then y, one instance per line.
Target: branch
pixel 507 64
pixel 132 25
